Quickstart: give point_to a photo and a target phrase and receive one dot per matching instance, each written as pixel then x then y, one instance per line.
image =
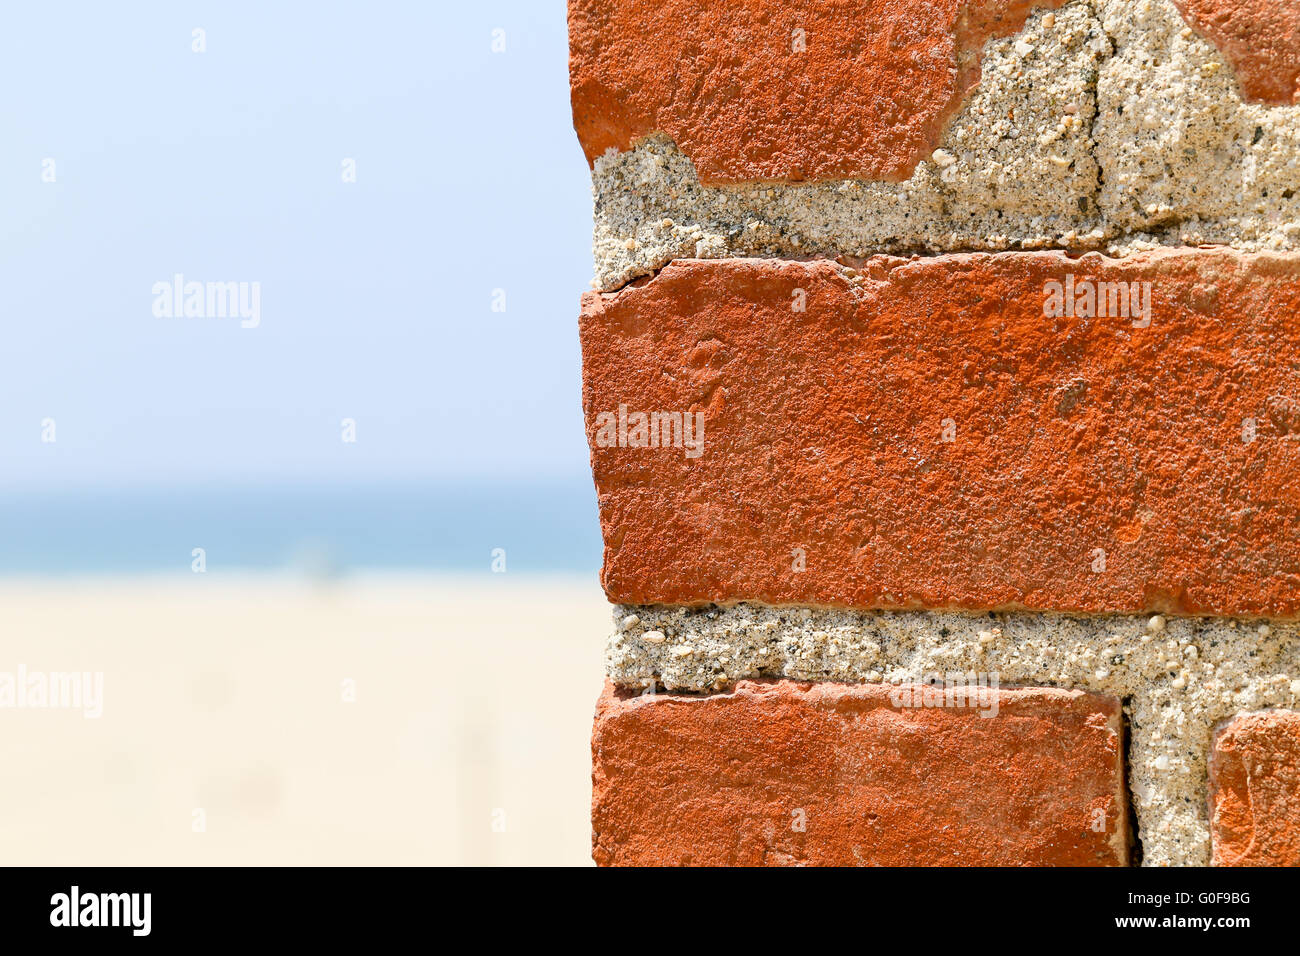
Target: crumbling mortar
pixel 964 206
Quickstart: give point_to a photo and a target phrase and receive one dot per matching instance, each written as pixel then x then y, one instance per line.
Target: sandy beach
pixel 388 719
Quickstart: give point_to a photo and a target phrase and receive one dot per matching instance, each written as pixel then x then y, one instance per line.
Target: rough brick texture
pixel 769 90
pixel 1255 791
pixel 836 774
pixel 1260 38
pixel 1092 465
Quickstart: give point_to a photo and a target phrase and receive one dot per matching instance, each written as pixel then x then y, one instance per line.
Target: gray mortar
pixel 1178 677
pixel 1184 160
pixel 1107 124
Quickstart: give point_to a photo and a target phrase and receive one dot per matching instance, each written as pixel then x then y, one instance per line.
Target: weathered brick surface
pixel 863 91
pixel 1255 791
pixel 836 774
pixel 1093 465
pixel 1260 38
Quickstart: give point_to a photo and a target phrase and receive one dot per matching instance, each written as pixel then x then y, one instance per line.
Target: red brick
pixel 727 779
pixel 1260 38
pixel 1073 436
pixel 869 97
pixel 1255 791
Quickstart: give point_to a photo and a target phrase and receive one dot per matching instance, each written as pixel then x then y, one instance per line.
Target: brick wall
pixel 942 381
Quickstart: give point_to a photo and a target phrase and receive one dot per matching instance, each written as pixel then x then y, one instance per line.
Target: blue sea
pixel 543 527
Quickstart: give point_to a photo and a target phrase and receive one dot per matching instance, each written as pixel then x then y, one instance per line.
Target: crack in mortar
pixel 1136 854
pixel 1106 125
pixel 1094 130
pixel 1179 677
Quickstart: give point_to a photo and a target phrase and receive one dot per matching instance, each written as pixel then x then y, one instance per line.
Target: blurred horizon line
pixel 319 528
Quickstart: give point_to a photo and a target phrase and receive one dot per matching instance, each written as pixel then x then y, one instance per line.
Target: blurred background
pixel 334 558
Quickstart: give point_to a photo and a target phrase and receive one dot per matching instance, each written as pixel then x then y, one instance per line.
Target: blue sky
pixel 375 295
